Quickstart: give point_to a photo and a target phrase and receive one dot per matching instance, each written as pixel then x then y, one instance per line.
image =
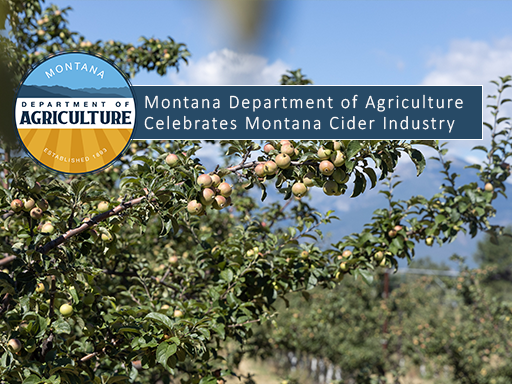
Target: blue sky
pixel 86 71
pixel 334 42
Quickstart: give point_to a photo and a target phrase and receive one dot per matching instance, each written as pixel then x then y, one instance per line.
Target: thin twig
pixel 122 273
pixel 163 283
pixel 246 156
pixel 244 323
pixel 6 160
pixel 7 214
pixel 7 260
pixel 166 274
pixel 150 297
pixel 135 299
pixel 253 164
pixel 52 296
pixel 5 304
pixel 280 211
pixel 88 357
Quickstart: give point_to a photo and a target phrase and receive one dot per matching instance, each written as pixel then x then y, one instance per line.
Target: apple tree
pixel 145 271
pixel 450 329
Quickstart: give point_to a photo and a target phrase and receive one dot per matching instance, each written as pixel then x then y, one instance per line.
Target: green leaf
pixel 493 238
pixel 366 275
pixel 418 159
pixel 223 172
pixel 227 275
pixel 220 330
pixel 4 358
pixel 440 218
pixel 208 380
pixel 480 147
pixel 32 379
pixel 359 184
pixel 74 295
pixel 164 351
pixel 263 191
pixel 175 224
pixel 349 165
pixel 61 326
pixel 160 318
pixel 429 143
pixel 353 148
pixel 371 174
pixel 116 379
pixel 43 324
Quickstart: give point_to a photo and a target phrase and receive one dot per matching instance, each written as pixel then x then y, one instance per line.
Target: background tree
pixel 426 262
pixel 450 330
pixel 497 253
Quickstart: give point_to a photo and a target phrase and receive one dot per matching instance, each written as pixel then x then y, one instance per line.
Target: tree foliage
pixel 495 252
pixel 452 327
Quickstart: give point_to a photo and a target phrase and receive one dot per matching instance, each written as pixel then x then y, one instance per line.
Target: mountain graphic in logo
pixel 59 91
pixel 75 113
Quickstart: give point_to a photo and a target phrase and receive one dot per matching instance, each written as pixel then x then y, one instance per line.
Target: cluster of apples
pixel 214 192
pixel 283 160
pixel 102 232
pixel 330 165
pixel 177 313
pixel 35 207
pixel 343 263
pixel 106 236
pixel 14 345
pixel 66 309
pixel 380 257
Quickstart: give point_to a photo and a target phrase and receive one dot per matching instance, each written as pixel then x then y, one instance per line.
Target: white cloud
pixel 470 62
pixel 226 67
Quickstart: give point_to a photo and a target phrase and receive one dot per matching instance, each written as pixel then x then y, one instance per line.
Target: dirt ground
pixel 261 373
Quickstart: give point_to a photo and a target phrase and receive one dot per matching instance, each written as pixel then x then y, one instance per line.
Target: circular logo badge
pixel 75 113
